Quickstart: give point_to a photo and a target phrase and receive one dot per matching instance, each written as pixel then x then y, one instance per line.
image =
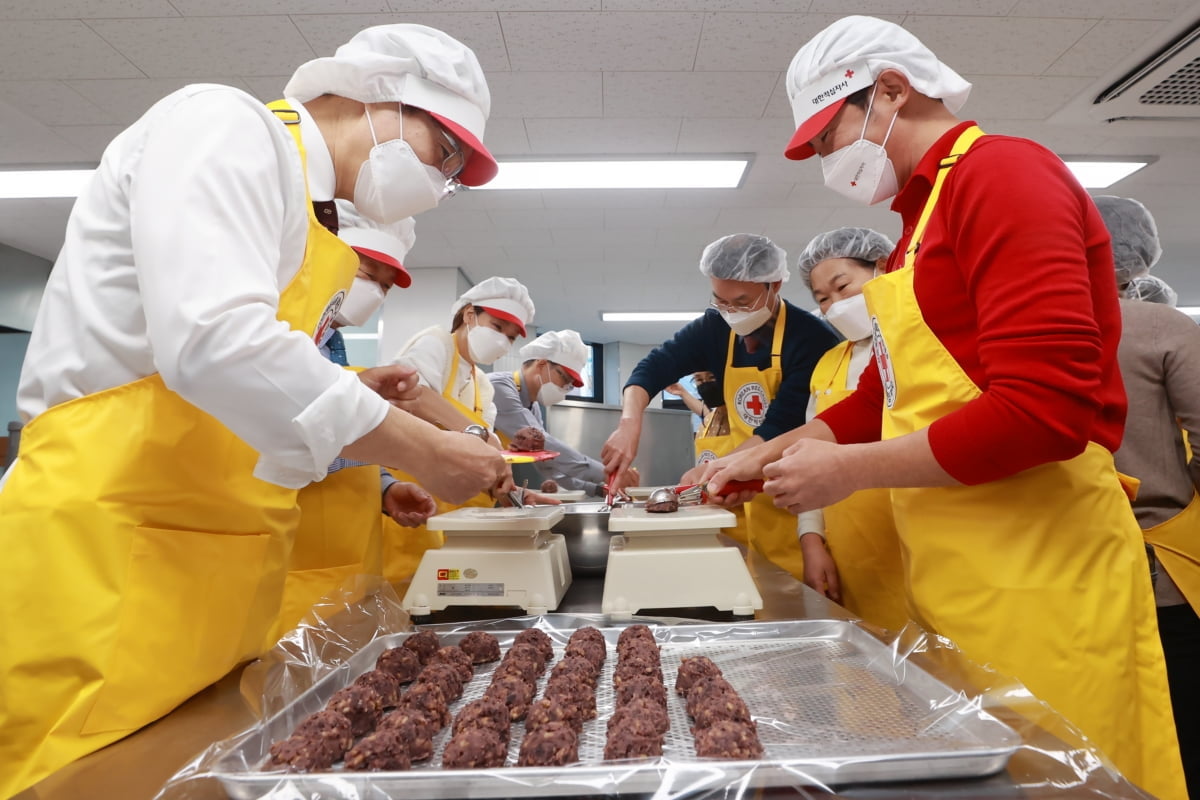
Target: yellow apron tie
pixel 135 575
pixel 1042 574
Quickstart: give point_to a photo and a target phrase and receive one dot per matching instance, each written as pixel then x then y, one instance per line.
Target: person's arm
pixel 690 350
pixel 572 469
pixel 693 403
pixel 211 207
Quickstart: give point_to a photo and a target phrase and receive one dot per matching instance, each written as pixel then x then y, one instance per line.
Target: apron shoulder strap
pixel 961 145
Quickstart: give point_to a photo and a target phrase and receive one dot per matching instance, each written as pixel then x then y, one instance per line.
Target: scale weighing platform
pixel 492 557
pixel 675 560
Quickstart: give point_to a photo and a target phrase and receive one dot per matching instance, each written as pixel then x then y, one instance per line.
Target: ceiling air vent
pixel 1165 86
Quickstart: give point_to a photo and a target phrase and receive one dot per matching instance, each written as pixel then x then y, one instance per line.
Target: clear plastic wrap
pixel 836 701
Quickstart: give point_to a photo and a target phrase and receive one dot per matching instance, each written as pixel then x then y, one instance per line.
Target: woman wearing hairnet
pixel 1159 356
pixel 865 573
pixel 761 349
pixel 455 393
pixel 1152 289
pixel 173 394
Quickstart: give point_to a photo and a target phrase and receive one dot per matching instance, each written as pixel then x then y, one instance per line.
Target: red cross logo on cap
pixel 755 404
pixel 849 73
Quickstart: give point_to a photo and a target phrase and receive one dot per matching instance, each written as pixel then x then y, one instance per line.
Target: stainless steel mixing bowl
pixel 585 528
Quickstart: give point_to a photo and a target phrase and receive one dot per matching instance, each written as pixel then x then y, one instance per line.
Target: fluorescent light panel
pixel 649 316
pixel 635 174
pixel 1191 311
pixel 42 183
pixel 1102 174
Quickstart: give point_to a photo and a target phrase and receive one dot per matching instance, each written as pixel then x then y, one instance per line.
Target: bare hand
pixel 811 474
pixel 820 573
pixel 621 448
pixel 395 383
pixel 408 504
pixel 462 467
pixel 743 465
pixel 675 389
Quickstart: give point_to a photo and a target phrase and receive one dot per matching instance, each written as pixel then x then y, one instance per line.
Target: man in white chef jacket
pixel 174 398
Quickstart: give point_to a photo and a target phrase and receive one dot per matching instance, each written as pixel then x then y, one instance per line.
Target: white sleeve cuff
pixel 811 522
pixel 341 415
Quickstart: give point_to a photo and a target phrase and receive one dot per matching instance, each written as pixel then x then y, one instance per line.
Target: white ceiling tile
pixel 1103 46
pixel 430 253
pixel 878 8
pixel 624 218
pixel 599 237
pixel 169 48
pixel 880 218
pixel 1019 97
pixel 478 31
pixel 495 5
pixel 758 195
pixel 695 238
pixel 744 6
pixel 778 106
pixel 53 103
pixel 502 237
pixel 511 200
pixel 1063 139
pixel 126 99
pixel 542 94
pixel 998 45
pixel 757 220
pixel 49 50
pixel 90 139
pixel 85 9
pixel 506 137
pixel 28 141
pixel 447 218
pixel 687 94
pixel 265 87
pixel 602 136
pixel 518 254
pixel 734 135
pixel 1118 9
pixel 233 8
pixel 773 168
pixel 607 41
pixel 546 218
pixel 478 258
pixel 772 39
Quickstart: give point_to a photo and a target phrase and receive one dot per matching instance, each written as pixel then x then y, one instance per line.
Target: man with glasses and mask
pixel 173 394
pixel 761 350
pixel 552 365
pixel 996 402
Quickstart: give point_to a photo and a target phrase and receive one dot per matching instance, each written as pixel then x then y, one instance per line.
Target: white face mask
pixel 850 317
pixel 744 323
pixel 861 171
pixel 486 345
pixel 393 183
pixel 364 299
pixel 551 393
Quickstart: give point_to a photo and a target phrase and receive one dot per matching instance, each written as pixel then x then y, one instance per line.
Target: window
pixel 592 373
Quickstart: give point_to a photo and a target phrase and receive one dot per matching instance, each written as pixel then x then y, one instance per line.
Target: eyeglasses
pixel 567 380
pixel 721 305
pixel 453 163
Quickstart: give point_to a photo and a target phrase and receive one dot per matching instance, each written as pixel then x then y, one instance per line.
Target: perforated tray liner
pixel 830 704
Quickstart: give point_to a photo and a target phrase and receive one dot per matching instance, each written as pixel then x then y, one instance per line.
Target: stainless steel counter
pixel 137 767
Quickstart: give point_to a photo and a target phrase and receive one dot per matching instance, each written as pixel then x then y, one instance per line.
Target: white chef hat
pixel 848 56
pixel 505 298
pixel 388 244
pixel 415 65
pixel 565 348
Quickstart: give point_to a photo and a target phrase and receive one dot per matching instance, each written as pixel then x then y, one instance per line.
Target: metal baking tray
pixel 831 707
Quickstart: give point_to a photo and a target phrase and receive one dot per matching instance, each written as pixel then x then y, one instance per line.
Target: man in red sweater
pixel 997 401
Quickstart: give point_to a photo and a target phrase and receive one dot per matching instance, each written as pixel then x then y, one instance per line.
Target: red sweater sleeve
pixel 857 418
pixel 1021 290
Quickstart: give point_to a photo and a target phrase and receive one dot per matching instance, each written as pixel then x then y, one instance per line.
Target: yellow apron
pixel 710 447
pixel 859 530
pixel 339 536
pixel 142 559
pixel 1176 545
pixel 1042 574
pixel 748 393
pixel 403 547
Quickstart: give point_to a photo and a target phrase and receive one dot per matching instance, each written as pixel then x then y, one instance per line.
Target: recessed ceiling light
pixel 628 174
pixel 1191 311
pixel 41 183
pixel 1100 174
pixel 649 316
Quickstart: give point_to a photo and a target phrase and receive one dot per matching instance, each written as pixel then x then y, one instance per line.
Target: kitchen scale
pixel 674 560
pixel 492 557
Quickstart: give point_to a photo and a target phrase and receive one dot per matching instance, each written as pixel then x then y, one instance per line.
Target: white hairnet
pixel 1152 289
pixel 1135 242
pixel 744 257
pixel 863 244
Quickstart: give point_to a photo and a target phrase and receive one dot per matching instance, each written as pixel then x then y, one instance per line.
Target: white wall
pixel 427 302
pixel 22 281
